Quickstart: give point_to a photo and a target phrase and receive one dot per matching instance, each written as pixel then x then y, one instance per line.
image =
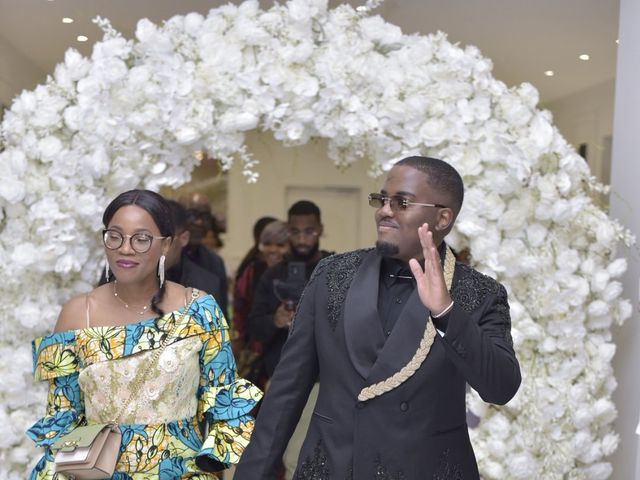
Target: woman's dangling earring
pixel 106 269
pixel 161 270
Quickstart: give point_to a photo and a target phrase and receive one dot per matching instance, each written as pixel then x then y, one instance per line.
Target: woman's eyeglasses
pixel 396 203
pixel 140 242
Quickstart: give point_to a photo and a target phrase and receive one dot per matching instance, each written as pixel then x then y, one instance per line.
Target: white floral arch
pixel 137 110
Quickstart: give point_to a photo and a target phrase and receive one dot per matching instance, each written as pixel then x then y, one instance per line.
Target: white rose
pixel 610 443
pixel 514 111
pixel 238 121
pixel 625 310
pixel 498 425
pixel 145 30
pixel 512 219
pixel 15 160
pixel 529 94
pixel 186 135
pixel 112 69
pixel 597 471
pixel 193 23
pixel 12 189
pixel 536 234
pixel 605 233
pixel 28 314
pixel 541 131
pixel 588 266
pixel 49 147
pixel 522 465
pixel 612 291
pixel 599 280
pixel 433 132
pixel 617 267
pixel 24 254
pixel 548 345
pixel 494 470
pixel 598 308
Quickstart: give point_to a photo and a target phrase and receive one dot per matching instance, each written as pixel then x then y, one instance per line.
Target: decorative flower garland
pixel 137 110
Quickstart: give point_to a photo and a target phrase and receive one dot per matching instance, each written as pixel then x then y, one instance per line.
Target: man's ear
pixel 445 219
pixel 184 238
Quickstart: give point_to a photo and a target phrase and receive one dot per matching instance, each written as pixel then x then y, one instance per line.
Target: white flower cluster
pixel 137 111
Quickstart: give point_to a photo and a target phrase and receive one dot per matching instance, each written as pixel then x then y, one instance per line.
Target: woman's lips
pixel 126 264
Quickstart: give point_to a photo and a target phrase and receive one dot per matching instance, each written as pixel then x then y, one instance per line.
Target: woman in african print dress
pixel 190 415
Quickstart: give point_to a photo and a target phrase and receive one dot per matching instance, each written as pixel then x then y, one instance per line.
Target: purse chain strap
pixel 137 383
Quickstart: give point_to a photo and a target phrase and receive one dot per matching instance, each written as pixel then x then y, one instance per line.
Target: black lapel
pixel 362 328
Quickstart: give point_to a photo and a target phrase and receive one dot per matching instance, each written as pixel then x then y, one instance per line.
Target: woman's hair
pixel 160 211
pixel 253 254
pixel 276 232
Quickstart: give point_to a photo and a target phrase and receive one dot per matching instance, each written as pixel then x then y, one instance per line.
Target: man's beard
pixel 305 257
pixel 387 249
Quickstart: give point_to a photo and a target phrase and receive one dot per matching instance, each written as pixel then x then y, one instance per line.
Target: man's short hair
pixel 304 207
pixel 442 177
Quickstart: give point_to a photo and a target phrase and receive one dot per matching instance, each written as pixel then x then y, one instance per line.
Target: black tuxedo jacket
pixel 418 430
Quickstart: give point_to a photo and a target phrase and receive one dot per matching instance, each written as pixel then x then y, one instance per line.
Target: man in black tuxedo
pixel 393 334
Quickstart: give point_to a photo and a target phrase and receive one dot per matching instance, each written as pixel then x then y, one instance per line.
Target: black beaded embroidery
pixel 314 468
pixel 446 470
pixel 339 277
pixel 316 271
pixel 382 472
pixel 471 288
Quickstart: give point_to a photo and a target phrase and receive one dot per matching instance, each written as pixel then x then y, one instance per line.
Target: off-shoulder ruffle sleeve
pixel 55 360
pixel 224 400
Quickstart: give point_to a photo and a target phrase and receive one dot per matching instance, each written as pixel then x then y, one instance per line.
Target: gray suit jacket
pixel 417 431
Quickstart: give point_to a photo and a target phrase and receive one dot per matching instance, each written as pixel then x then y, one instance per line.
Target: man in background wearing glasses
pixel 393 334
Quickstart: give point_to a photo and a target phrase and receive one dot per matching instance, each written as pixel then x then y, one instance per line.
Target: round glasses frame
pixel 397 203
pixel 110 238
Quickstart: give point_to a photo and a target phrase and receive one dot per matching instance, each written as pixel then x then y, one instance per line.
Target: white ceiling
pixel 522 37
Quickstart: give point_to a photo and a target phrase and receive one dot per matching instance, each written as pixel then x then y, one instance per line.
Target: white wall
pixel 587 117
pixel 17 73
pixel 292 173
pixel 624 198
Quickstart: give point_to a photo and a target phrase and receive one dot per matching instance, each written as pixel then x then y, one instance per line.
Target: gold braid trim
pixel 423 350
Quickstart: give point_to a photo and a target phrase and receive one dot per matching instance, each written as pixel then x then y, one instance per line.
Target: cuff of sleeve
pixel 442 322
pixel 225 443
pixel 48 430
pixel 229 402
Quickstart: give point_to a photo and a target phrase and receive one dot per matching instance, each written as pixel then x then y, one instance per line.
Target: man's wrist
pixel 443 312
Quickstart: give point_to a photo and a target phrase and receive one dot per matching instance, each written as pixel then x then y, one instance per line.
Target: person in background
pixel 393 334
pixel 147 353
pixel 273 245
pixel 205 257
pixel 181 269
pixel 273 307
pixel 254 252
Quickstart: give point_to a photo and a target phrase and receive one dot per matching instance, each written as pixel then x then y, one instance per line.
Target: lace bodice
pixel 167 393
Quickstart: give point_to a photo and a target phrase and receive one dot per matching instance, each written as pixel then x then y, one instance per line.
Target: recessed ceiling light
pixel 618 41
pixel 584 57
pixel 549 73
pixel 82 38
pixel 67 20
